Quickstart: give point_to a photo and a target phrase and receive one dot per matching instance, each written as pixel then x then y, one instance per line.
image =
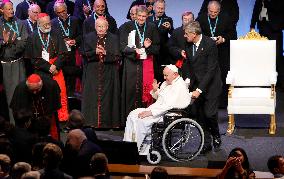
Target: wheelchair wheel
pixel 183 139
pixel 154 157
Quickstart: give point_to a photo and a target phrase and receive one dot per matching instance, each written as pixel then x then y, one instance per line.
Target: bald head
pixel 99 7
pixel 101 26
pixel 213 9
pixel 75 138
pixel 33 12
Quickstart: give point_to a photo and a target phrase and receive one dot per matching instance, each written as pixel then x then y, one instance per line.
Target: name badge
pixel 19 38
pixel 45 55
pixel 214 38
pixel 143 54
pixel 68 47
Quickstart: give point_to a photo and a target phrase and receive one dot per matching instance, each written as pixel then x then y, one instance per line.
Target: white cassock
pixel 167 97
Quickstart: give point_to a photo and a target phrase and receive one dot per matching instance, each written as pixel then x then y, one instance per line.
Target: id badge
pixel 19 38
pixel 45 55
pixel 68 47
pixel 143 54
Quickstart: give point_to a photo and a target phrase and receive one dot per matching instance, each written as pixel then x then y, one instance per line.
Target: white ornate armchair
pixel 252 78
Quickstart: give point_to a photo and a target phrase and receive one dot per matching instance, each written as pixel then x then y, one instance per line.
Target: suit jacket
pixel 224 27
pixel 203 68
pixel 177 43
pixel 274 11
pixel 229 7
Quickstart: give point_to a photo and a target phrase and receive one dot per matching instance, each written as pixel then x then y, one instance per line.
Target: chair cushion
pixel 251 101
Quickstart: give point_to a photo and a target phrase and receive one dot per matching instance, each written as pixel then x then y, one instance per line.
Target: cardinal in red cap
pixel 40 96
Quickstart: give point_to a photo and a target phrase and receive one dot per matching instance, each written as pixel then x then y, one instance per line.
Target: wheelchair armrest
pixel 178 111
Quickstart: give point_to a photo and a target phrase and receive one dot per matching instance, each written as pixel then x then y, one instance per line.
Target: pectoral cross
pixel 36 113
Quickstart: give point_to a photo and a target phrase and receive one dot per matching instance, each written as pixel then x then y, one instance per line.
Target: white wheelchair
pixel 178 137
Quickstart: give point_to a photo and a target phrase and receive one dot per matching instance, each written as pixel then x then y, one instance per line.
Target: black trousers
pixel 206 113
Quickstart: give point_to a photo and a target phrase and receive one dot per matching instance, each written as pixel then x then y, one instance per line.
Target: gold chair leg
pixel 272 128
pixel 231 124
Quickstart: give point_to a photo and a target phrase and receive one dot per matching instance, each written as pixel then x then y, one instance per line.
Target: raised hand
pixel 147 42
pixel 155 85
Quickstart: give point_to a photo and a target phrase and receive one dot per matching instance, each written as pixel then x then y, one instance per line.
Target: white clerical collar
pixel 198 42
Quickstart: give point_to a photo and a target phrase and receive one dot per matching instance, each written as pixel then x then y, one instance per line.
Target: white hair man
pixel 173 93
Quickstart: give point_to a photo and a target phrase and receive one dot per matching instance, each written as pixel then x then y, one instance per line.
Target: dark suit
pixel 163 57
pixel 229 7
pixel 272 29
pixel 176 44
pixel 225 29
pixel 203 70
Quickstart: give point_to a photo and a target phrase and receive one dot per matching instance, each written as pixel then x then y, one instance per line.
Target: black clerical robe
pixel 57 50
pixel 101 86
pixel 176 44
pixel 11 54
pixel 163 57
pixel 50 8
pixel 45 103
pixel 89 24
pixel 70 29
pixel 133 67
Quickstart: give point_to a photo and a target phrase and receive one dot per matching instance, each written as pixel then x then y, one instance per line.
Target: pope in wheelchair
pixel 173 93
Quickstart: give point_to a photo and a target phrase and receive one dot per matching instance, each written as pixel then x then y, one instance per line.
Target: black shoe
pixel 206 149
pixel 216 142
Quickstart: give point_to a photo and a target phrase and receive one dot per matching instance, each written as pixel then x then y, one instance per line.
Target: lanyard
pixel 30 25
pixel 141 36
pixel 212 30
pixel 160 21
pixel 193 49
pixel 45 45
pixel 67 31
pixel 16 30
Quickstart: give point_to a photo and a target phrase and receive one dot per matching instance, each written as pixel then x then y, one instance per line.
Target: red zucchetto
pixel 41 15
pixel 34 78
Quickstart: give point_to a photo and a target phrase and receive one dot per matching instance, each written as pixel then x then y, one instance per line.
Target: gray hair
pixel 142 9
pixel 193 27
pixel 214 3
pixel 32 6
pixel 58 4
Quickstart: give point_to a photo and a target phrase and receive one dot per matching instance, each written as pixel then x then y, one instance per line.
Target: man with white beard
pixel 46 50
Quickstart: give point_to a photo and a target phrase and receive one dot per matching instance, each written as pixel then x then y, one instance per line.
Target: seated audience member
pixel 173 93
pixel 237 166
pixel 37 155
pixel 52 156
pixel 19 169
pixel 275 165
pixel 77 154
pixel 76 120
pixel 31 175
pixel 21 138
pixel 99 166
pixel 5 165
pixel 159 173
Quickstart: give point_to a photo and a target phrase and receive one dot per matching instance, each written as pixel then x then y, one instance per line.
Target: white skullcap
pixel 173 68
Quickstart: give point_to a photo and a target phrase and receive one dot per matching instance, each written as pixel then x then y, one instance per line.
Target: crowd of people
pixel 55 49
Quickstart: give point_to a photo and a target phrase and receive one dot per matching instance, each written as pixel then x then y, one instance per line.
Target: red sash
pixel 148 77
pixel 59 78
pixel 79 61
